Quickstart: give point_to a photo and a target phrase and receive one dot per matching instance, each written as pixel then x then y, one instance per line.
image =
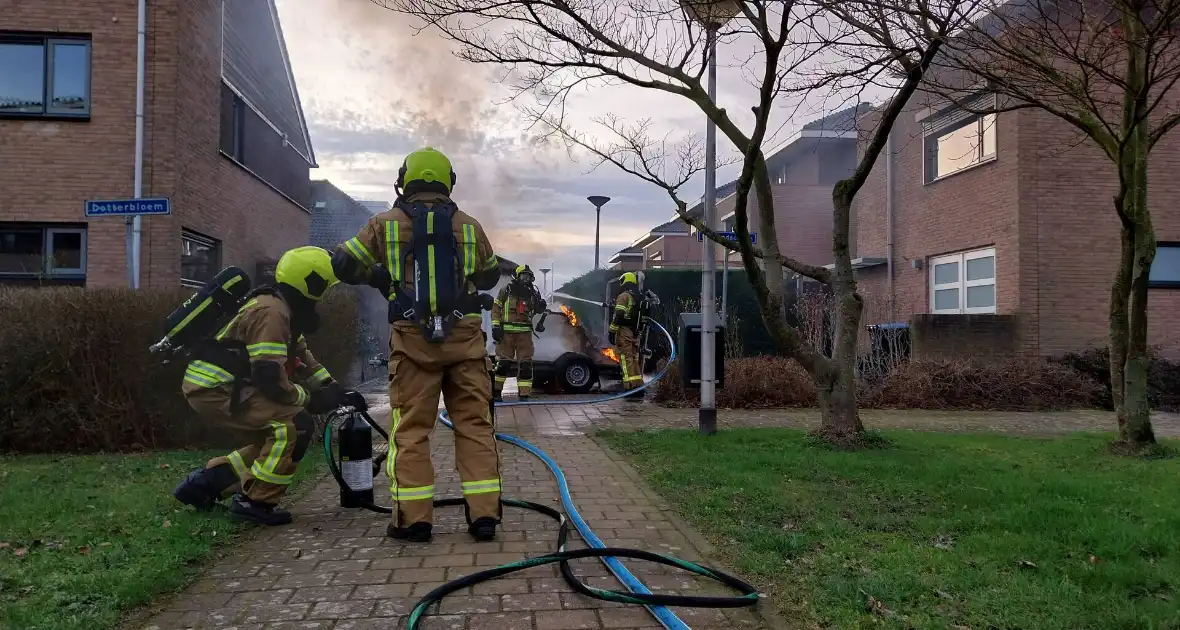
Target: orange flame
pixel 569 315
pixel 610 354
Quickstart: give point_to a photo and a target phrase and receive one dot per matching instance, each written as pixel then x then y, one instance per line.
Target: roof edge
pixel 274 17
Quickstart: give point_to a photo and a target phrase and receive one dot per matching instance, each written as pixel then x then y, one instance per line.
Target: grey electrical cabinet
pixel 689 348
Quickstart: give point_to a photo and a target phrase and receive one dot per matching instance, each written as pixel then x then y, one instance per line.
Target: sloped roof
pixel 255 64
pixel 843 120
pixel 675 226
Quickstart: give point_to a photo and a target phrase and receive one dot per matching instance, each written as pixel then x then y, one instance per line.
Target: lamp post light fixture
pixel 545 279
pixel 711 14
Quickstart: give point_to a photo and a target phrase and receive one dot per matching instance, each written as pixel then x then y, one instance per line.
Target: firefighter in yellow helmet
pixel 624 332
pixel 430 259
pixel 257 378
pixel 512 330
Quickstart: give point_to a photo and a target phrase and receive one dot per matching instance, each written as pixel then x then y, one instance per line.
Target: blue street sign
pixel 729 235
pixel 128 207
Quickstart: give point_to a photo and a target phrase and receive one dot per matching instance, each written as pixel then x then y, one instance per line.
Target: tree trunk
pixel 1120 291
pixel 1137 431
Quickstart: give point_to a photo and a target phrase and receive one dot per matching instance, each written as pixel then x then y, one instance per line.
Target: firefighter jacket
pixel 259 333
pixel 626 313
pixel 513 312
pixel 386 240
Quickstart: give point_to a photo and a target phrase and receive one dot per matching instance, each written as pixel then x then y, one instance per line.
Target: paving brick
pixel 530 601
pixel 503 586
pixel 567 619
pixel 382 591
pixel 281 612
pixel 468 604
pixel 361 577
pixel 444 622
pixel 463 560
pixel 419 575
pixel 320 594
pixel 262 598
pixel 397 563
pixel 501 621
pixel 319 624
pixel 372 623
pixel 342 610
pixel 625 617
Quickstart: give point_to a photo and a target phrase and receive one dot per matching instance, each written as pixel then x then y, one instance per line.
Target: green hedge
pixel 77 376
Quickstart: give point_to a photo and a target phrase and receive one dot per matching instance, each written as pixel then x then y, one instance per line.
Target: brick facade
pixel 50 167
pixel 1044 204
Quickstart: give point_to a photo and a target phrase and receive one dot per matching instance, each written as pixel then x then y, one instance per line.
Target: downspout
pixel 889 157
pixel 140 80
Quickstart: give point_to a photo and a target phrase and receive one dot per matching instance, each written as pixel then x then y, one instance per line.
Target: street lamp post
pixel 599 201
pixel 712 14
pixel 545 280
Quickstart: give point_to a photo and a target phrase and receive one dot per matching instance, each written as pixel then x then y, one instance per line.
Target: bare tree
pixel 555 46
pixel 1108 68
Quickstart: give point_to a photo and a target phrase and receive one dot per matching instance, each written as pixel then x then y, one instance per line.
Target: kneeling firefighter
pixel 242 377
pixel 512 330
pixel 430 259
pixel 624 331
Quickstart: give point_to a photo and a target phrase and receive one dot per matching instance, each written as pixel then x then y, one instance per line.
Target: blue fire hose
pixel 638 593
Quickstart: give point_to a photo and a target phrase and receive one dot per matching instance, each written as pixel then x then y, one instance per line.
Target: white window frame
pixel 48 270
pixel 49 258
pixel 961 283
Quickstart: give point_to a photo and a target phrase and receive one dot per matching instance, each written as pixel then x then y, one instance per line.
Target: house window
pixel 44 76
pixel 200 258
pixel 964 282
pixel 1165 269
pixel 958 140
pixel 32 251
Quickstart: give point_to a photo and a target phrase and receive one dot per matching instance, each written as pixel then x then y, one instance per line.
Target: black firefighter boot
pixel 243 508
pixel 202 488
pixel 417 533
pixel 483 529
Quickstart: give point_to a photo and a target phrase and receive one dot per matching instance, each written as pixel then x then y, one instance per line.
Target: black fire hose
pixel 561 557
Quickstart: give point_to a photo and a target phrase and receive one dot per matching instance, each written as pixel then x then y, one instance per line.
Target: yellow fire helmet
pixel 308 269
pixel 427 165
pixel 629 278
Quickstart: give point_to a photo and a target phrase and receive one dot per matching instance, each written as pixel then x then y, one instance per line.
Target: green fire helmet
pixel 427 165
pixel 308 269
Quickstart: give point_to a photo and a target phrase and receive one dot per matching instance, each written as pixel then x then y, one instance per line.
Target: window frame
pixel 204 239
pixel 48 43
pixel 48 270
pixel 954 119
pixel 962 283
pixel 1163 284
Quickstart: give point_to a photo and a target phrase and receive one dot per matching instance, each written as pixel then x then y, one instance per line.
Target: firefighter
pixel 624 333
pixel 512 330
pixel 430 259
pixel 244 379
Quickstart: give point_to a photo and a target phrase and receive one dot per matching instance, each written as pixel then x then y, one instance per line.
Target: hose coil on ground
pixel 638 593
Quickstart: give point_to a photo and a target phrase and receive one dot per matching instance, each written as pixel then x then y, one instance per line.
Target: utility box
pixel 690 351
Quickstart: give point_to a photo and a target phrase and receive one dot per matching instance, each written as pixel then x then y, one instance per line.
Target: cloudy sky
pixel 372 91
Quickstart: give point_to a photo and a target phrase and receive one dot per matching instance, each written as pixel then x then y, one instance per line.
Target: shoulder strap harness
pixel 438 297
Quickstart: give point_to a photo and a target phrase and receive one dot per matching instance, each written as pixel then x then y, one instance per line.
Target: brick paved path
pixel 334 568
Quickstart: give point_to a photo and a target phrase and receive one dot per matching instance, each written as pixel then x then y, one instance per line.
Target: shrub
pixel 978 384
pixel 762 382
pixel 77 376
pixel 1163 377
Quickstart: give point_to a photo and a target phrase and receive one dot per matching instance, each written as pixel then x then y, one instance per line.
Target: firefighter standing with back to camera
pixel 624 332
pixel 242 378
pixel 512 330
pixel 430 259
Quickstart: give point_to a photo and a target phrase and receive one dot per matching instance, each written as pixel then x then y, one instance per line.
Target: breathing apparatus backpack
pixel 203 314
pixel 439 297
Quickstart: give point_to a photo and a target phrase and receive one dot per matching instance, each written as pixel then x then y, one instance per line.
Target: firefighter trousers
pixel 275 438
pixel 514 357
pixel 419 371
pixel 629 358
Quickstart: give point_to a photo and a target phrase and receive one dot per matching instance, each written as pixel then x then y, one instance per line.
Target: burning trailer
pixel 567 357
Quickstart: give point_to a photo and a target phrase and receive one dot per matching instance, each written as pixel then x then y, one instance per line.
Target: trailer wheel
pixel 576 375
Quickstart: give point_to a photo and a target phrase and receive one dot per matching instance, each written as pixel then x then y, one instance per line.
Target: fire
pixel 569 315
pixel 610 354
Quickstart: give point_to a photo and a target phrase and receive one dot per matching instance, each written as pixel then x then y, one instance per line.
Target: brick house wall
pixel 54 166
pixel 1043 203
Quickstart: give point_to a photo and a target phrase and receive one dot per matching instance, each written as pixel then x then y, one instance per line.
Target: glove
pixel 325 399
pixel 542 306
pixel 498 334
pixel 354 399
pixel 380 279
pixel 611 337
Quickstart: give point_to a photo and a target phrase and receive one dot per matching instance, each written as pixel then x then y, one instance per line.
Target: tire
pixel 576 375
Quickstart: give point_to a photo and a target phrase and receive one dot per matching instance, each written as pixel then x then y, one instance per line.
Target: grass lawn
pixel 84 539
pixel 941 531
